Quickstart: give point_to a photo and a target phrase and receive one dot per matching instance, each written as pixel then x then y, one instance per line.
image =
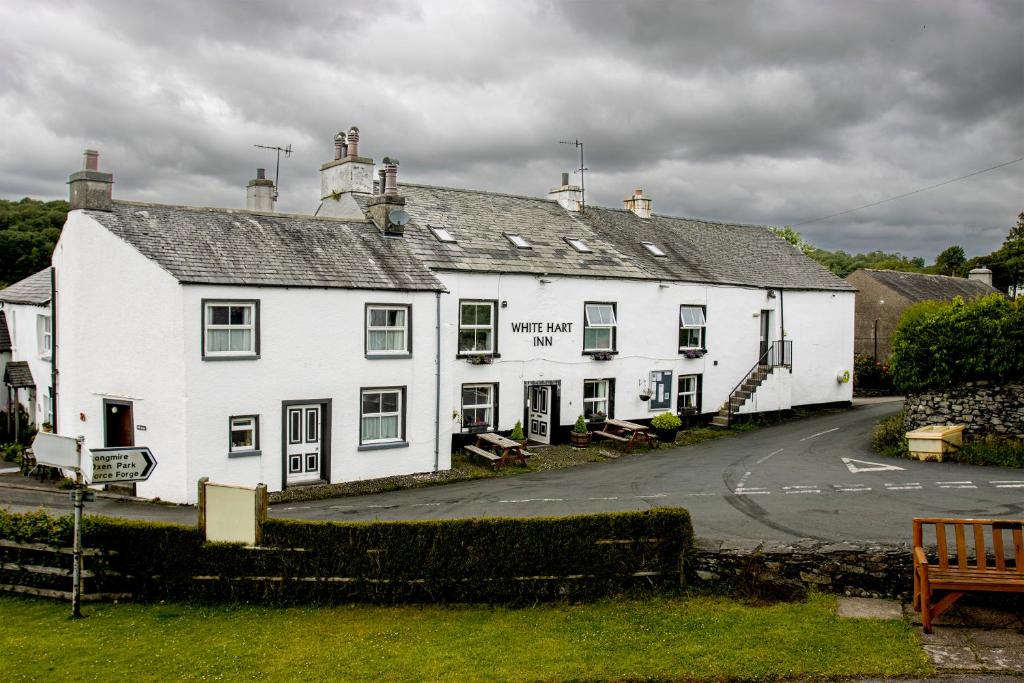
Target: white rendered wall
pixel 311 348
pixel 119 336
pixel 775 393
pixel 23 326
pixel 820 324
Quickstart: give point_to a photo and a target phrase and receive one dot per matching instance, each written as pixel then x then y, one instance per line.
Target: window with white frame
pixel 381 416
pixel 478 406
pixel 579 245
pixel 244 433
pixel 476 327
pixel 48 406
pixel 689 394
pixel 691 327
pixel 387 329
pixel 653 248
pixel 519 241
pixel 44 334
pixel 442 234
pixel 230 329
pixel 599 327
pixel 596 398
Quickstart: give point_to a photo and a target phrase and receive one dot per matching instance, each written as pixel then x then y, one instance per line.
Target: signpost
pixel 121 464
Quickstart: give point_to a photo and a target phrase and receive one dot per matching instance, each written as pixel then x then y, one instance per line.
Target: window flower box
pixel 480 359
pixel 601 355
pixel 694 353
pixel 477 427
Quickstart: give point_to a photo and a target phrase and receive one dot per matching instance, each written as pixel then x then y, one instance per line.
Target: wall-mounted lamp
pixel 504 304
pixel 544 281
pixel 771 293
pixel 662 285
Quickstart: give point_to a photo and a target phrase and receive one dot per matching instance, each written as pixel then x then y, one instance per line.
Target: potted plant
pixel 645 391
pixel 579 437
pixel 476 426
pixel 597 417
pixel 517 433
pixel 666 426
pixel 47 427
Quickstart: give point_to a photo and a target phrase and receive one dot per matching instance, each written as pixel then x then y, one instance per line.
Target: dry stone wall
pixel 983 407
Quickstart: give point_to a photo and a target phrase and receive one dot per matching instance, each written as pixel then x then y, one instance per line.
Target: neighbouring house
pixel 883 296
pixel 26 351
pixel 398 321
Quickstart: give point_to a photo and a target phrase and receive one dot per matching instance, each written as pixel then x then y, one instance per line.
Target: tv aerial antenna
pixel 581 170
pixel 277 169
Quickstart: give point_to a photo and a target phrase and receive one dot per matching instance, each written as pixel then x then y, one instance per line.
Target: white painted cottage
pixel 26 350
pixel 368 339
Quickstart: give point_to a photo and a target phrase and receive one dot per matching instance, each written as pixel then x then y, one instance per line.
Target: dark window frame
pixel 402 441
pixel 377 355
pixel 255 450
pixel 493 426
pixel 698 398
pixel 255 324
pixel 611 396
pixel 493 353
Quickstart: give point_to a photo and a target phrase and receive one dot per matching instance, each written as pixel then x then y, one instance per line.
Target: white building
pixel 368 339
pixel 26 349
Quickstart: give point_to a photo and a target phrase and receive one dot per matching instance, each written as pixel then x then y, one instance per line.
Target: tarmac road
pixel 779 483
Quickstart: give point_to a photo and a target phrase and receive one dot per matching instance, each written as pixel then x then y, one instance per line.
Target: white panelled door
pixel 303 443
pixel 539 427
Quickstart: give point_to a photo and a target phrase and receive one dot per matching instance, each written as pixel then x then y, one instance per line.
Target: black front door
pixel 765 328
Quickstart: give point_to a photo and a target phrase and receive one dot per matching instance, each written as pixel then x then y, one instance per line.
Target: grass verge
pixel 694 638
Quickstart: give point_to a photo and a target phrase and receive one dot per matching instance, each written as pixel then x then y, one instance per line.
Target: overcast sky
pixel 774 113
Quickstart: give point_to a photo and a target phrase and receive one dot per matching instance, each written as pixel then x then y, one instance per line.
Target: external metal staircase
pixel 779 354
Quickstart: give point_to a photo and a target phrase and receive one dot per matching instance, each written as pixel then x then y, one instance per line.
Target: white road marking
pixel 755 491
pixel 335 507
pixel 301 507
pixel 534 500
pixel 800 489
pixel 425 505
pixel 910 486
pixel 743 480
pixel 687 495
pixel 827 431
pixel 850 487
pixel 955 485
pixel 770 455
pixel 654 495
pixel 875 466
pixel 605 498
pixel 1008 484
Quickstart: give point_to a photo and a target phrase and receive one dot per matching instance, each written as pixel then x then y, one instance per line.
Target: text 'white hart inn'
pixel 366 340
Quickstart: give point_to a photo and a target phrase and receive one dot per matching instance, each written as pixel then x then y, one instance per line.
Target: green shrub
pixel 869 373
pixel 581 425
pixel 890 436
pixel 992 450
pixel 517 431
pixel 12 452
pixel 666 421
pixel 939 344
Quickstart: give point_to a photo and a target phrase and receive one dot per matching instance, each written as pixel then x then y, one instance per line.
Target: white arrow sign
pixel 123 464
pixel 875 466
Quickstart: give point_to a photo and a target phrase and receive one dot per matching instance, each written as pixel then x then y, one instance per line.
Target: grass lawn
pixel 692 638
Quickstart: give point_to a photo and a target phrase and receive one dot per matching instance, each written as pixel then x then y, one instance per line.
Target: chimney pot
pixel 261 173
pixel 390 176
pixel 353 142
pixel 639 204
pixel 982 274
pixel 91 162
pixel 339 146
pixel 381 180
pixel 565 179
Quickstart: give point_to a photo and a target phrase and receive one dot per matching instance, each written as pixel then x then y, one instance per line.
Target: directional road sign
pixel 121 464
pixel 57 451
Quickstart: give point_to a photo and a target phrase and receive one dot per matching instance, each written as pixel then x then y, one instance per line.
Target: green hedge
pixel 939 344
pixel 485 560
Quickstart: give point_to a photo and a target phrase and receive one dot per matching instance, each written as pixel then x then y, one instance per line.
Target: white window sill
pixel 248 357
pixel 244 454
pixel 383 445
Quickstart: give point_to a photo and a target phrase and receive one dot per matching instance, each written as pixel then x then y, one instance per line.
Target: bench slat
pixel 1018 544
pixel 979 546
pixel 940 538
pixel 961 546
pixel 997 547
pixel 481 452
pixel 607 435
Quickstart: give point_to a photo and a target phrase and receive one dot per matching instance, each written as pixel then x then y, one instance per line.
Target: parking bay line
pixel 827 431
pixel 955 485
pixel 1008 484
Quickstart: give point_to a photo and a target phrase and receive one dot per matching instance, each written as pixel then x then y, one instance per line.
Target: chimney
pixel 381 180
pixel 568 196
pixel 981 275
pixel 639 203
pixel 259 194
pixel 347 171
pixel 387 209
pixel 89 188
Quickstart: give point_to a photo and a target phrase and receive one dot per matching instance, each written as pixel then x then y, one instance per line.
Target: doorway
pixel 766 328
pixel 306 442
pixel 118 424
pixel 541 411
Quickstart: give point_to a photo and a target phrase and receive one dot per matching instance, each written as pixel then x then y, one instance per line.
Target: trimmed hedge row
pixel 477 560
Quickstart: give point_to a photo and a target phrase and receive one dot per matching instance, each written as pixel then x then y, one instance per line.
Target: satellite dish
pixel 398 217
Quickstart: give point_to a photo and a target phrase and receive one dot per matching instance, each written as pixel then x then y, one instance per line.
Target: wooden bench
pixel 629 433
pixel 956 576
pixel 486 455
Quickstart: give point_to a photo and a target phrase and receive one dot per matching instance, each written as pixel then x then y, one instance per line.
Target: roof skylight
pixel 519 241
pixel 653 248
pixel 441 234
pixel 579 245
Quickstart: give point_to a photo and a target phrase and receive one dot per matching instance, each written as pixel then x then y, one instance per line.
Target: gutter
pixel 437 382
pixel 53 344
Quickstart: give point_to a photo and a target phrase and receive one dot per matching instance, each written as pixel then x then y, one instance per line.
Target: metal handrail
pixel 781 344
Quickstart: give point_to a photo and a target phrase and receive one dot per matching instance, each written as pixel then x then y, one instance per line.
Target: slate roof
pixel 236 247
pixel 697 251
pixel 5 334
pixel 34 290
pixel 18 375
pixel 923 287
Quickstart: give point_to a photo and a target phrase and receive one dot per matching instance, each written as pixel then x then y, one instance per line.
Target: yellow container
pixel 934 441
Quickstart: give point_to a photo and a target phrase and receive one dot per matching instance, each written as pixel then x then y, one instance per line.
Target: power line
pixel 907 194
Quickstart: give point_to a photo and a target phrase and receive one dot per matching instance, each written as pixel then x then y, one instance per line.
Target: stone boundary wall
pixel 983 407
pixel 868 570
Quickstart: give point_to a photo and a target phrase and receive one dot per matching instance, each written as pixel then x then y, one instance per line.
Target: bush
pixel 869 373
pixel 939 344
pixel 581 425
pixel 992 450
pixel 666 421
pixel 517 432
pixel 890 436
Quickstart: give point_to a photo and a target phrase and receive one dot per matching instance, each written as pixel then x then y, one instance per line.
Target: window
pixel 597 398
pixel 689 394
pixel 478 406
pixel 244 434
pixel 653 248
pixel 442 234
pixel 519 241
pixel 599 327
pixel 579 245
pixel 476 327
pixel 44 334
pixel 387 330
pixel 230 329
pixel 381 418
pixel 691 327
pixel 48 407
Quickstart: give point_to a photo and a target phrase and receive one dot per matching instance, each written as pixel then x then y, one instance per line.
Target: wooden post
pixel 202 505
pixel 262 500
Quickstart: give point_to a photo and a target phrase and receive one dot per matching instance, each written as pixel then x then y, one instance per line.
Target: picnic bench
pixel 498 450
pixel 956 575
pixel 628 433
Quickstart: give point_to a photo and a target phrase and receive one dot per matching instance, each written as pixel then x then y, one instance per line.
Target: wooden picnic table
pixel 498 450
pixel 628 433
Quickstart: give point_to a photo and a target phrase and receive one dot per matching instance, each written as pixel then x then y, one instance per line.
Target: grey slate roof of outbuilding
pixel 18 375
pixel 924 287
pixel 35 290
pixel 5 334
pixel 236 247
pixel 697 251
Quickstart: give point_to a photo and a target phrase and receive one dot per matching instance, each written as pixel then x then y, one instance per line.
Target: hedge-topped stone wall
pixel 983 407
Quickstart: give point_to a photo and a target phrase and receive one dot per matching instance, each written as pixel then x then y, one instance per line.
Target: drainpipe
pixel 53 346
pixel 437 381
pixel 782 325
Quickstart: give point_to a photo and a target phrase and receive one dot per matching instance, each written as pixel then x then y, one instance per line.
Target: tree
pixel 951 261
pixel 29 230
pixel 793 237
